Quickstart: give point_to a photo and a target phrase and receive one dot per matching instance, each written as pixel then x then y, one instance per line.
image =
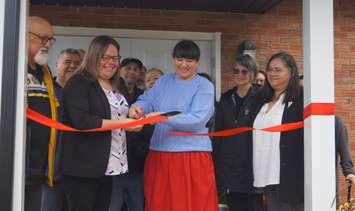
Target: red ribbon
pixel 311 109
pixel 41 119
pixel 234 131
pixel 319 109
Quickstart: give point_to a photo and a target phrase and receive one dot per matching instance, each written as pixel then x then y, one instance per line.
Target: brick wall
pixel 344 53
pixel 278 29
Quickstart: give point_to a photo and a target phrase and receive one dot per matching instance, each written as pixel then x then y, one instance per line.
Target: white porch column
pixel 18 199
pixel 319 146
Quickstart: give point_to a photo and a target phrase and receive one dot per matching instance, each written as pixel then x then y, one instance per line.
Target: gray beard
pixel 41 57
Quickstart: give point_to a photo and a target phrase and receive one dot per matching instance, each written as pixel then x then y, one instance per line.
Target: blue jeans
pixel 53 198
pixel 127 189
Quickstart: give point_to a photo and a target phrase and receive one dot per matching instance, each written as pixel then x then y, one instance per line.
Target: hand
pixel 152 114
pixel 135 128
pixel 135 112
pixel 351 178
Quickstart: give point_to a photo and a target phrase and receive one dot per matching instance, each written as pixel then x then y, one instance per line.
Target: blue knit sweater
pixel 193 98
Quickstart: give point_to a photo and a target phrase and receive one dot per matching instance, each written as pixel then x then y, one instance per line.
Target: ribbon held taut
pixel 311 109
pixel 41 119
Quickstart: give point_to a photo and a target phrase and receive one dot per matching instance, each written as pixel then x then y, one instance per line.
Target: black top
pixel 233 155
pixel 238 102
pixel 137 142
pixel 37 135
pixel 132 97
pixel 85 106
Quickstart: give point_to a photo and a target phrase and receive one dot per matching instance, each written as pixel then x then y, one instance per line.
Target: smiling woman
pixel 278 161
pixel 233 154
pixel 92 99
pixel 186 159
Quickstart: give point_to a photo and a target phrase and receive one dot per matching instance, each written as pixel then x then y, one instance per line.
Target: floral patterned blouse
pixel 117 163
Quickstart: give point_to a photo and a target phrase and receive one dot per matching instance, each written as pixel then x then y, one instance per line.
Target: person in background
pixel 141 77
pixel 138 144
pixel 205 75
pixel 342 155
pixel 179 172
pixel 53 198
pixel 233 155
pixel 82 53
pixel 68 62
pixel 127 189
pixel 40 140
pixel 92 99
pixel 260 78
pixel 301 80
pixel 130 70
pixel 211 123
pixel 151 77
pixel 278 158
pixel 342 150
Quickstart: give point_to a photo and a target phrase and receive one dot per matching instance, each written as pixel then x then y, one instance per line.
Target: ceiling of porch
pixel 238 6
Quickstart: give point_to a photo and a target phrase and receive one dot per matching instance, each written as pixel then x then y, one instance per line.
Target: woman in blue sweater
pixel 179 172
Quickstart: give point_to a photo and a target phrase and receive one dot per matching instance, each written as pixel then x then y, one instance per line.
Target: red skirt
pixel 180 181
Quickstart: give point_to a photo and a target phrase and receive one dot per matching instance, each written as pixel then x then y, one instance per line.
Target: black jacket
pixel 233 155
pixel 291 152
pixel 85 105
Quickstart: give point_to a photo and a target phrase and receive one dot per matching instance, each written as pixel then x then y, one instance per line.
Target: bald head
pixel 40 35
pixel 39 25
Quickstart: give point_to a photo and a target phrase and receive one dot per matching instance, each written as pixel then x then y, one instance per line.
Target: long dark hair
pixel 90 66
pixel 293 88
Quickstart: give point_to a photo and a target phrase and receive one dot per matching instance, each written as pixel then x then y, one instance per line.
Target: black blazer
pixel 85 105
pixel 291 153
pixel 233 155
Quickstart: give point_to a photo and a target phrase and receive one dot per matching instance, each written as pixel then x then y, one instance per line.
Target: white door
pixel 152 52
pixel 153 48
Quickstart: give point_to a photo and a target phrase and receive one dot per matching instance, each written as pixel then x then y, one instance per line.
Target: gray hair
pixel 248 62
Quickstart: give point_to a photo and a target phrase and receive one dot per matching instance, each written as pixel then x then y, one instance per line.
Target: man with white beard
pixel 40 140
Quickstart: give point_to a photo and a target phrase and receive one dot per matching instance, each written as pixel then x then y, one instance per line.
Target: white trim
pixel 218 72
pixel 2 24
pixel 18 199
pixel 319 146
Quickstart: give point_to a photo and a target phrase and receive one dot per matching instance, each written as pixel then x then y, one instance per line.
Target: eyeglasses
pixel 237 71
pixel 107 58
pixel 274 70
pixel 44 39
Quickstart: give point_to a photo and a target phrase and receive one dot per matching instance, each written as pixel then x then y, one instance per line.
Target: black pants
pixel 88 194
pixel 33 196
pixel 238 201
